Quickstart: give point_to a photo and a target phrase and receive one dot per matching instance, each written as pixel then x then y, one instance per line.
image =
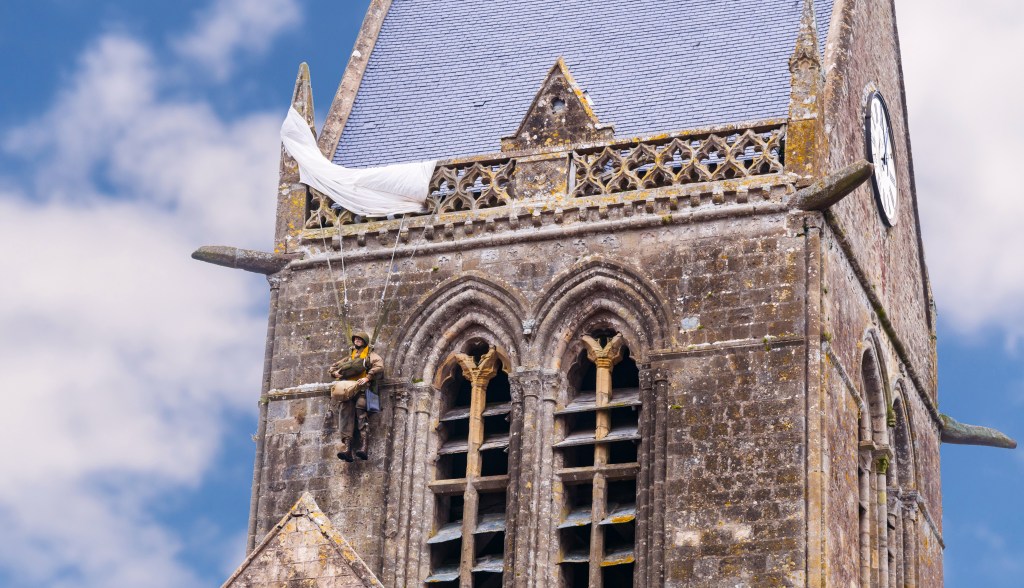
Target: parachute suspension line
pixel 387 308
pixel 344 287
pixel 334 282
pixel 383 293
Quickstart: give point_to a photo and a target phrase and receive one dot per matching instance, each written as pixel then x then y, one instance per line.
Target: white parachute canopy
pixel 375 191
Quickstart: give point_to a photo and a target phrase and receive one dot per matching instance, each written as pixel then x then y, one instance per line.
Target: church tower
pixel 665 320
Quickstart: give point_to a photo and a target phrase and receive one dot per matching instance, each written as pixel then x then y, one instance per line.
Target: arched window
pixel 597 427
pixel 470 484
pixel 884 470
pixel 902 499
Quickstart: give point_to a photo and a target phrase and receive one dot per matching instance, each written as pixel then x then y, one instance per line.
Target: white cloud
pixel 230 27
pixel 121 355
pixel 85 542
pixel 964 74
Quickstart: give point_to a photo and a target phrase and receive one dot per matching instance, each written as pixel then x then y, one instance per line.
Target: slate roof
pixel 449 78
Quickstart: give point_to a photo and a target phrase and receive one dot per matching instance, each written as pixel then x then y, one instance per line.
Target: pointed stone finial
pixel 560 114
pixel 302 96
pixel 292 195
pixel 805 140
pixel 807 39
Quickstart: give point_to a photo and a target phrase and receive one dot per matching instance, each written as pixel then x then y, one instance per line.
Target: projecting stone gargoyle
pixel 833 187
pixel 962 434
pixel 259 262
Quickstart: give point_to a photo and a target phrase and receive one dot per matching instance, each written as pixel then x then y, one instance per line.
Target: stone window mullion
pixel 479 375
pixel 604 358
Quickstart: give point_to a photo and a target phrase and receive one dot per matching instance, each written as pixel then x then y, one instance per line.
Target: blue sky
pixel 133 132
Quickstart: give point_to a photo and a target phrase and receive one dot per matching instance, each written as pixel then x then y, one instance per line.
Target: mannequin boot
pixel 346 450
pixel 364 434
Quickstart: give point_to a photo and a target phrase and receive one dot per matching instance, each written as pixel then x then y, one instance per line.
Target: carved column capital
pixel 876 451
pixel 479 373
pixel 607 355
pixel 653 376
pixel 882 464
pixel 646 379
pixel 535 382
pixel 552 382
pixel 420 398
pixel 910 499
pixel 524 382
pixel 516 389
pixel 398 393
pixel 894 500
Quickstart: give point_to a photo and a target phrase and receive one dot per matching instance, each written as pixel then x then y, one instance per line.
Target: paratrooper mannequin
pixel 354 376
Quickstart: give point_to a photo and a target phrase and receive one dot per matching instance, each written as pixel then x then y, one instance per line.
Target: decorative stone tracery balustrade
pixel 604 168
pixel 638 165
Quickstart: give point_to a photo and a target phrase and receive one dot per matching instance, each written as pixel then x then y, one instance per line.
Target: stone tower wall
pixel 750 322
pixel 875 295
pixel 717 323
pixel 864 54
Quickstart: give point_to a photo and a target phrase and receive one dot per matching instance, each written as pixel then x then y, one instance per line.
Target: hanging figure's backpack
pixel 353 368
pixel 350 368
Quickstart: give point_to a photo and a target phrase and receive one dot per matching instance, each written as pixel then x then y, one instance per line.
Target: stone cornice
pixel 545 224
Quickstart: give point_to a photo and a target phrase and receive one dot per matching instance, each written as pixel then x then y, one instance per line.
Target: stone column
pixel 552 386
pixel 398 470
pixel 535 392
pixel 644 481
pixel 910 509
pixel 514 575
pixel 650 547
pixel 258 471
pixel 882 519
pixel 894 528
pixel 413 522
pixel 865 467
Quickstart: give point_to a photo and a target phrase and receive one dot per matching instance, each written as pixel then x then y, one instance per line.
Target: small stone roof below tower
pixel 449 78
pixel 303 549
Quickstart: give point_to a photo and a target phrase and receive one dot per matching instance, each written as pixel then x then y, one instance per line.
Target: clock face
pixel 882 156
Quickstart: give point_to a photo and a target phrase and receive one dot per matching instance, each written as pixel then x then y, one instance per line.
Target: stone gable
pixel 303 550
